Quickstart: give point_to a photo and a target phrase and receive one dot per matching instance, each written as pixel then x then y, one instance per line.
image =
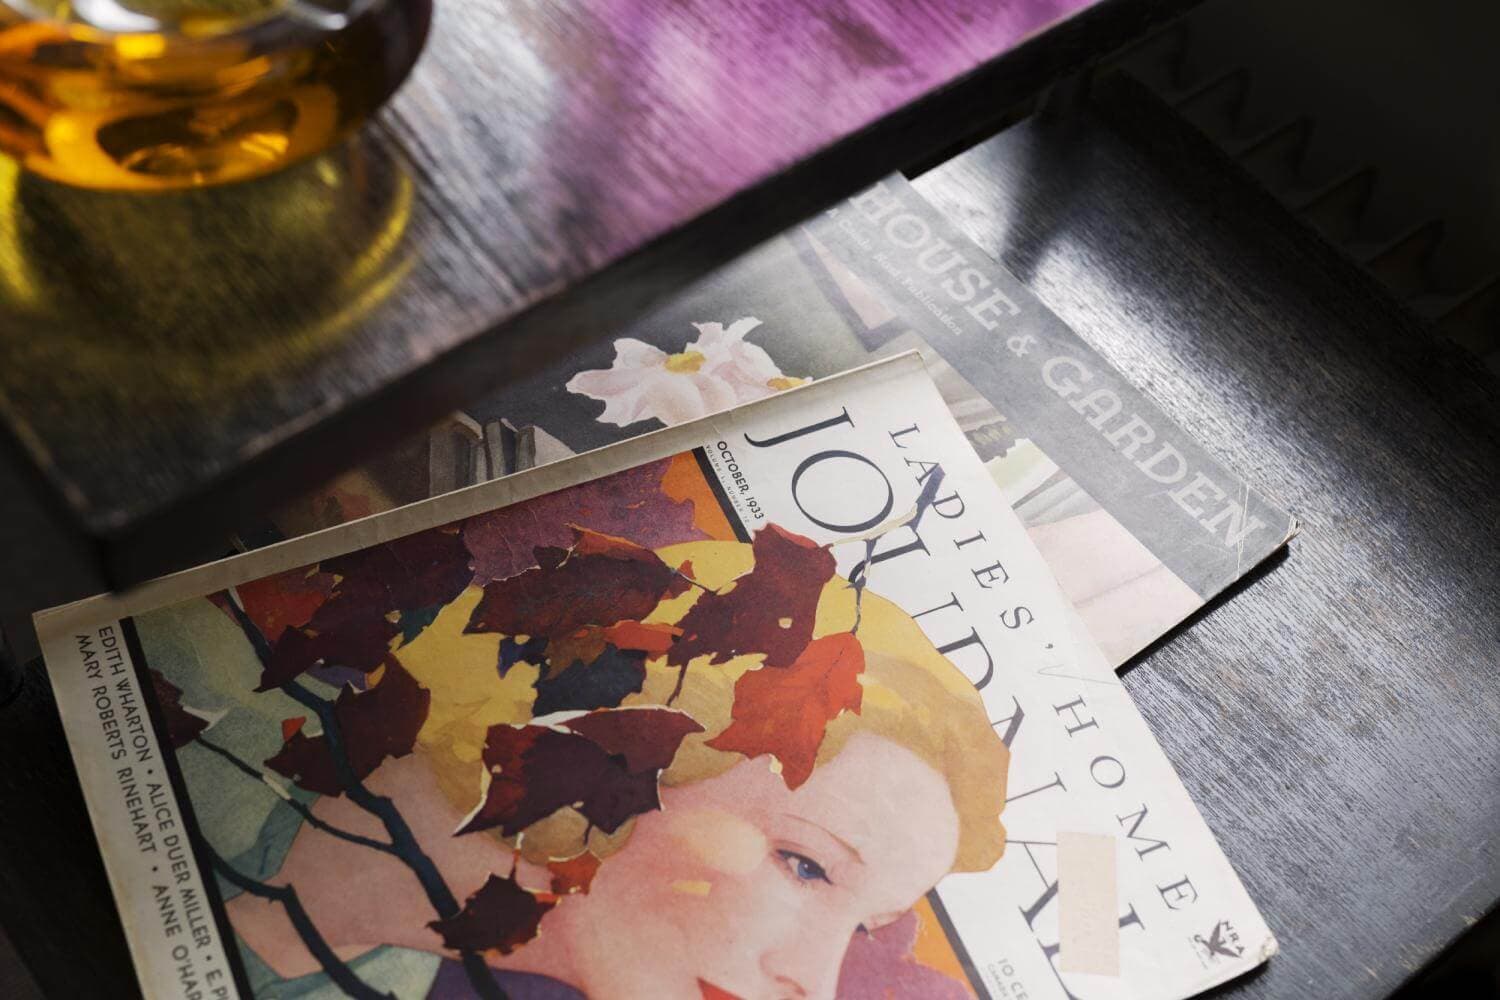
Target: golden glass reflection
pixel 164 94
pixel 186 299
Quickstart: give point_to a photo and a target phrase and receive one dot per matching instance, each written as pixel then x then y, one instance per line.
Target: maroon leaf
pixel 647 738
pixel 182 726
pixel 354 629
pixel 500 916
pixel 603 580
pixel 373 725
pixel 770 610
pixel 608 770
pixel 630 503
pixel 355 626
pixel 416 571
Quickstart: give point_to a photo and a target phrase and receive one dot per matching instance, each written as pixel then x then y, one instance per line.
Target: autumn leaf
pixel 583 645
pixel 786 712
pixel 380 593
pixel 630 503
pixel 647 738
pixel 542 770
pixel 352 629
pixel 574 874
pixel 284 600
pixel 182 725
pixel 601 683
pixel 380 722
pixel 769 610
pixel 416 571
pixel 607 770
pixel 601 580
pixel 291 727
pixel 500 916
pixel 653 640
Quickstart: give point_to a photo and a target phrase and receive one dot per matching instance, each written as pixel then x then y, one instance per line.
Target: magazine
pixel 1140 525
pixel 781 701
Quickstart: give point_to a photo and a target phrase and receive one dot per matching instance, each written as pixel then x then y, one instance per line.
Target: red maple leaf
pixel 284 600
pixel 786 712
pixel 605 764
pixel 380 722
pixel 500 916
pixel 769 610
pixel 652 640
pixel 601 580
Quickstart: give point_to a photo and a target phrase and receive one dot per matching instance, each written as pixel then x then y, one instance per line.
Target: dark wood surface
pixel 1335 717
pixel 175 363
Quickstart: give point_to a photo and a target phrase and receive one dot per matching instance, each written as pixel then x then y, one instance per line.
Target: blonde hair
pixel 911 695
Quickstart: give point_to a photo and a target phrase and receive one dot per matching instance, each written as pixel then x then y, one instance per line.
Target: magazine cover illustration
pixel 677 728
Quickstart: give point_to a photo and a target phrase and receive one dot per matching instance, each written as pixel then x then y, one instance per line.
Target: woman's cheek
pixel 720 842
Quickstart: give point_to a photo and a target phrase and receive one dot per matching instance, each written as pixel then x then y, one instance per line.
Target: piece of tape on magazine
pixel 1087 904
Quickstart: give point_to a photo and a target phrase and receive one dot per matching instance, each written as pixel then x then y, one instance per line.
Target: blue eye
pixel 804 868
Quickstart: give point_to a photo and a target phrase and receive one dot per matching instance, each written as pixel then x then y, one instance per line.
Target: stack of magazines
pixel 765 649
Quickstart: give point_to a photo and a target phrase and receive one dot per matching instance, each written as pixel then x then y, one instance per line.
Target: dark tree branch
pixel 342 976
pixel 403 843
pixel 677 688
pixel 252 631
pixel 302 809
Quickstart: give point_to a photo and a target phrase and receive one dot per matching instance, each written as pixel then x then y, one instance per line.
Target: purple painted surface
pixel 723 93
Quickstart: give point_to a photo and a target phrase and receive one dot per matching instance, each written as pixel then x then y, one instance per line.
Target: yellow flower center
pixel 685 362
pixel 782 382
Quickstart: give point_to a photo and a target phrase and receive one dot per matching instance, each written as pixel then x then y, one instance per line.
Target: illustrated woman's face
pixel 743 886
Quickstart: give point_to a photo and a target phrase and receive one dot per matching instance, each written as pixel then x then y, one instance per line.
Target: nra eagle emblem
pixel 1222 942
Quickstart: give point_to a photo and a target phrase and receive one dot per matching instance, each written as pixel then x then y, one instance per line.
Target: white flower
pixel 714 372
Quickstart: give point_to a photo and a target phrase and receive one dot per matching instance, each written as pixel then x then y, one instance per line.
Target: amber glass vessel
pixel 167 94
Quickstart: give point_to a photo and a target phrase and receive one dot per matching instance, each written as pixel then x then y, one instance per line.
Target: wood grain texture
pixel 175 363
pixel 1334 717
